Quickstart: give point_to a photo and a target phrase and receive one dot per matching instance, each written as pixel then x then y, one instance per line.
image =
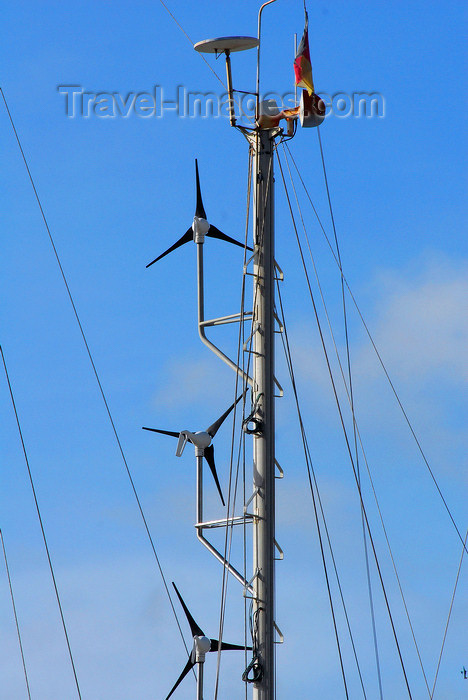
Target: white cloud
pixel 421 324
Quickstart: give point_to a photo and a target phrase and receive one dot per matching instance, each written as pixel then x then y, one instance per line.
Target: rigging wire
pixel 226 556
pixel 218 78
pixel 255 666
pixel 242 440
pixel 350 393
pixel 356 428
pixel 351 397
pixel 348 446
pixel 191 41
pixel 46 546
pixel 312 475
pixel 448 617
pixel 241 448
pixel 15 615
pixel 244 544
pixel 244 473
pixel 90 356
pixel 316 512
pixel 381 362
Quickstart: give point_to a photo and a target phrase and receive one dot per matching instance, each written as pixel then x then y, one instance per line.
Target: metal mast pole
pixel 264 415
pixel 201 666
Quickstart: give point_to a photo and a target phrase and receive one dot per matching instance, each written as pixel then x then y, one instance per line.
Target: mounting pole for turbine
pixel 201 666
pixel 262 586
pixel 264 415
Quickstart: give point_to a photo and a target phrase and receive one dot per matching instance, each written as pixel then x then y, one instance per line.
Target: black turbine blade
pixel 216 233
pixel 213 429
pixel 227 647
pixel 209 456
pixel 194 628
pixel 188 667
pixel 200 209
pixel 163 432
pixel 188 236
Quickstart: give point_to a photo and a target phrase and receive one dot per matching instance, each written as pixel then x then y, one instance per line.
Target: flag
pixel 302 64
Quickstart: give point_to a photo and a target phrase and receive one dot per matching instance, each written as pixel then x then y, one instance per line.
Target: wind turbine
pixel 202 441
pixel 200 227
pixel 202 645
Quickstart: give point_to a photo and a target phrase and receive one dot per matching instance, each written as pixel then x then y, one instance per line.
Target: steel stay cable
pixel 204 59
pixel 322 340
pixel 448 618
pixel 355 426
pixel 227 559
pixel 381 362
pixel 244 544
pixel 98 381
pixel 41 524
pixel 317 522
pixel 245 387
pixel 227 546
pixel 357 435
pixel 230 527
pixel 248 366
pixel 15 615
pixel 351 396
pixel 244 480
pixel 312 474
pixel 349 392
pixel 345 432
pixel 192 43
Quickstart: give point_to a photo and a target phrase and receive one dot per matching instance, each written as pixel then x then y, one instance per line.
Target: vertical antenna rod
pixel 264 416
pixel 232 116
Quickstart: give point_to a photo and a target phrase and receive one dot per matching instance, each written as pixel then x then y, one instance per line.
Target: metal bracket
pixel 281 553
pixel 280 277
pixel 249 588
pixel 254 330
pixel 280 325
pixel 201 321
pixel 232 318
pixel 280 470
pixel 228 566
pixel 225 522
pixel 247 263
pixel 255 493
pixel 279 633
pixel 281 392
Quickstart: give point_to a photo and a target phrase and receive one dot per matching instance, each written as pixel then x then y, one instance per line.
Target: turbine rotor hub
pixel 200 228
pixel 201 439
pixel 202 646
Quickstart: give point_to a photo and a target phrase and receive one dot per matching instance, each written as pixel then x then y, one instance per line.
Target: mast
pixel 261 422
pixel 264 415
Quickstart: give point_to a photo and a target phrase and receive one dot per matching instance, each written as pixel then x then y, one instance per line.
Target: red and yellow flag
pixel 302 64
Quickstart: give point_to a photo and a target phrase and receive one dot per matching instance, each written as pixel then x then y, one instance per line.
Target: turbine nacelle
pixel 200 228
pixel 200 440
pixel 201 647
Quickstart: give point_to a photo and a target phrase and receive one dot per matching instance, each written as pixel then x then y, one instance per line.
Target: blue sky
pixel 116 193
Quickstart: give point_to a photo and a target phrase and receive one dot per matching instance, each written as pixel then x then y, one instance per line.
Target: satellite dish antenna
pixel 227 45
